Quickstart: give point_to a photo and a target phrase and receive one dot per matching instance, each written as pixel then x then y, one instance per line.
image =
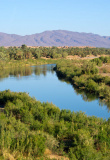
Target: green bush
pixel 28 127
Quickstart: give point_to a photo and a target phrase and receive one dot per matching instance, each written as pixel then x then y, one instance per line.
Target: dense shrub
pixel 75 134
pixel 84 75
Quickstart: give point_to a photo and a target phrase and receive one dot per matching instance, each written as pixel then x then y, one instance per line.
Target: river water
pixel 42 83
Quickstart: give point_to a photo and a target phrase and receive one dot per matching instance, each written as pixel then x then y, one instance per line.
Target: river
pixel 42 83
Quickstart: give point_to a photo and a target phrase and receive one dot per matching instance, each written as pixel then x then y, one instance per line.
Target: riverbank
pixel 85 76
pixel 22 63
pixel 29 128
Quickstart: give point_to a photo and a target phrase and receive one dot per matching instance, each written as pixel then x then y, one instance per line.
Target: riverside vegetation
pixel 85 75
pixel 30 129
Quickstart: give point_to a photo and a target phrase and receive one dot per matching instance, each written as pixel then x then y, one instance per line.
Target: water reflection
pixel 42 82
pixel 15 72
pixel 26 71
pixel 86 96
pixel 91 97
pixel 43 69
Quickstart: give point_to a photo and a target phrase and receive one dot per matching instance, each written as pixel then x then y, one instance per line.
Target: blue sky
pixel 25 17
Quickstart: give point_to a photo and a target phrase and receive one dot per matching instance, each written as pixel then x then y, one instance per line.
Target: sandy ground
pixel 56 157
pixel 87 57
pixel 78 57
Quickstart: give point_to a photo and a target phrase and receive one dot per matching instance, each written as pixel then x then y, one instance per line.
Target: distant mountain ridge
pixel 56 38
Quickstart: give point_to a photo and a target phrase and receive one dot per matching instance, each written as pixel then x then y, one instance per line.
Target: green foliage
pixel 89 68
pixel 100 60
pixel 91 86
pixel 23 47
pixel 84 75
pixel 3 56
pixel 24 52
pixel 64 54
pixel 28 127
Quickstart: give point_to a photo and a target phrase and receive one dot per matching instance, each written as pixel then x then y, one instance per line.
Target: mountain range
pixel 56 38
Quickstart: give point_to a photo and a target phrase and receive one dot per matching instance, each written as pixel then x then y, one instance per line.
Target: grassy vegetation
pixel 23 63
pixel 85 75
pixel 28 128
pixel 32 130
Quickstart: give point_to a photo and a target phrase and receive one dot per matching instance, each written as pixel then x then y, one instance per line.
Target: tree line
pixel 24 52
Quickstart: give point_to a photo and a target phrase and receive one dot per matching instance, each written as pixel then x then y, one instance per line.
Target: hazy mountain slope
pixel 55 38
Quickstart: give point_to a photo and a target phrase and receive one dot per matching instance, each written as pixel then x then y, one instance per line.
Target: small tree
pixel 23 46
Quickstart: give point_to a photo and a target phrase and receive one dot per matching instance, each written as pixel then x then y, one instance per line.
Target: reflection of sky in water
pixel 43 84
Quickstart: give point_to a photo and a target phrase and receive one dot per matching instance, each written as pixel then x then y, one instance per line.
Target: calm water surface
pixel 42 83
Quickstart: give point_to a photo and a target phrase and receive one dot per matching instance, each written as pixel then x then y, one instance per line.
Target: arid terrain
pixel 56 38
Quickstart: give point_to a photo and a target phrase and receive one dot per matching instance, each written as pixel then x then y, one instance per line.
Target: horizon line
pixel 52 31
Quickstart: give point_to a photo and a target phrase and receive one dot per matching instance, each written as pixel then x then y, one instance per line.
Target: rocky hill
pixel 56 38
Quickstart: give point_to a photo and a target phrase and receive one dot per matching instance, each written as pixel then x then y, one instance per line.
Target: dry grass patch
pixel 72 57
pixel 56 157
pixel 105 68
pixel 7 155
pixel 48 153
